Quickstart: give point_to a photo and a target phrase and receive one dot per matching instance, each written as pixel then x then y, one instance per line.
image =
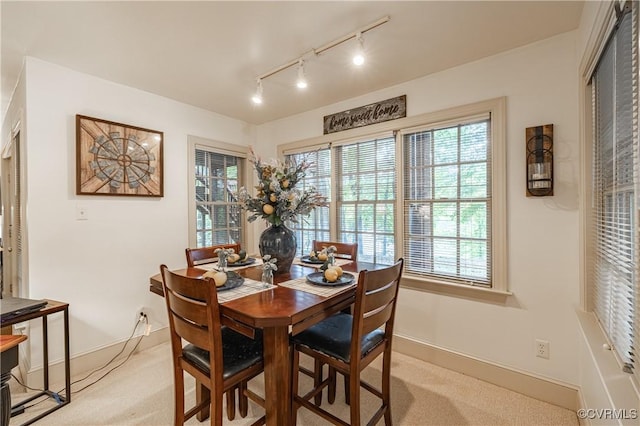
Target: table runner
pixel 248 287
pixel 303 285
pixel 339 262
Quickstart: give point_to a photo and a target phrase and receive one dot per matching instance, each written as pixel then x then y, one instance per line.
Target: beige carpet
pixel 141 393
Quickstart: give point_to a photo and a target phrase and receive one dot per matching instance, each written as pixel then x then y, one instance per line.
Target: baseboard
pixel 539 388
pixel 84 363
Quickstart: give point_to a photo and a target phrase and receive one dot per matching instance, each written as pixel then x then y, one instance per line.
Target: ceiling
pixel 209 53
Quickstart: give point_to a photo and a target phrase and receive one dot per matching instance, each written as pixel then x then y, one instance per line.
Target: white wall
pixel 101 266
pixel 540 84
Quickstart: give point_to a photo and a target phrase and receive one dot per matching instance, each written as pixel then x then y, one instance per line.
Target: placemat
pixel 339 262
pixel 303 285
pixel 214 265
pixel 248 287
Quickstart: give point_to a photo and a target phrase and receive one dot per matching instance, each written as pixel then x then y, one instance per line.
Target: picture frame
pixel 118 159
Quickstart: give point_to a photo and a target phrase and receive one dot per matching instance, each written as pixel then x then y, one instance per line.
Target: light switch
pixel 81 213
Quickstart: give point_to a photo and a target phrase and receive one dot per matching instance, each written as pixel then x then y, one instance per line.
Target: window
pixel 429 188
pixel 366 198
pixel 614 274
pixel 316 225
pixel 447 202
pixel 216 214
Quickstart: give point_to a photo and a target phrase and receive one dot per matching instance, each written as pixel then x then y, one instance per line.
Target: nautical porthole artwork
pixel 117 159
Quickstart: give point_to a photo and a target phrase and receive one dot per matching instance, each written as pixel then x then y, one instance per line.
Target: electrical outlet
pixel 542 348
pixel 142 315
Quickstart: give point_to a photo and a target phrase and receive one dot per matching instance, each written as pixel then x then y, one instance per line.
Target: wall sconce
pixel 539 160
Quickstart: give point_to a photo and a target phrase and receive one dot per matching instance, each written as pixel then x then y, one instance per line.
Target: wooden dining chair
pixel 348 343
pixel 219 358
pixel 200 255
pixel 343 250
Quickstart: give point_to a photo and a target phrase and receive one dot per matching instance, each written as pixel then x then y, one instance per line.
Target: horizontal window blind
pixel 316 225
pixel 218 213
pixel 615 191
pixel 366 197
pixel 447 202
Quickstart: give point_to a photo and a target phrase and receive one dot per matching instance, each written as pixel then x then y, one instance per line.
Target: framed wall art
pixel 117 159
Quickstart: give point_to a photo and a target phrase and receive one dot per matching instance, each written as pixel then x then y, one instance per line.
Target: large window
pixel 217 175
pixel 429 188
pixel 615 190
pixel 447 202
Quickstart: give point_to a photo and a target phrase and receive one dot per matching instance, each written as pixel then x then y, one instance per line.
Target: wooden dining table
pixel 279 312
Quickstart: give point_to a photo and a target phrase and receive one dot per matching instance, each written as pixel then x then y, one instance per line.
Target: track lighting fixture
pixel 301 81
pixel 358 57
pixel 257 97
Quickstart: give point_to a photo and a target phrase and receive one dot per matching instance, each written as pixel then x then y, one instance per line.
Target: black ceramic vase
pixel 279 242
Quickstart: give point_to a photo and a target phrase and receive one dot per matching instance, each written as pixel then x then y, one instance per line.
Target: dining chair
pixel 219 358
pixel 199 255
pixel 348 343
pixel 343 250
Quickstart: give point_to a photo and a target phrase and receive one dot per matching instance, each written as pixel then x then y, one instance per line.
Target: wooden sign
pixel 378 112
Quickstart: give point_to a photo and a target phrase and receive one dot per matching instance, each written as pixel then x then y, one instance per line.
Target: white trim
pixel 618 388
pixel 83 363
pixel 541 388
pixel 361 133
pixel 602 28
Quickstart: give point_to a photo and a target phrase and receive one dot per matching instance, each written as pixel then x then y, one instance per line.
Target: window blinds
pixel 615 191
pixel 366 197
pixel 218 214
pixel 316 225
pixel 447 202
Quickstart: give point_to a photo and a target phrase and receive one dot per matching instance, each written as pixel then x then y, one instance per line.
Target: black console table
pixel 52 307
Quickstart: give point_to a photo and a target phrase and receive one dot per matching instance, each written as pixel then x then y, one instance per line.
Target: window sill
pixel 458 290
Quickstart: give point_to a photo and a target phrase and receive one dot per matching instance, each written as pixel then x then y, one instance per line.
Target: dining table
pixel 288 307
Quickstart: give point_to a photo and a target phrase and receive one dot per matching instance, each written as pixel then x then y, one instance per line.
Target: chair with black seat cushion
pixel 219 358
pixel 343 250
pixel 196 256
pixel 348 343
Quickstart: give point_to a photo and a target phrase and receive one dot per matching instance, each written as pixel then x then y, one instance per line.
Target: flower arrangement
pixel 277 199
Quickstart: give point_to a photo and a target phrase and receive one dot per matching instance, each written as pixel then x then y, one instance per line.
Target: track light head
pixel 257 97
pixel 358 57
pixel 301 82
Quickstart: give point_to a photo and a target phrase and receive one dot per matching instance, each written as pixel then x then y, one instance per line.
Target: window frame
pixel 433 201
pixel 223 148
pixel 497 109
pixel 606 22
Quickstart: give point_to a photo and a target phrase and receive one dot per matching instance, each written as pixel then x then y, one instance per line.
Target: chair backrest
pixel 375 304
pixel 343 250
pixel 199 255
pixel 194 315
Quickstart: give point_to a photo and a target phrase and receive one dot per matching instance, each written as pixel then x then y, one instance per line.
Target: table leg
pixel 277 375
